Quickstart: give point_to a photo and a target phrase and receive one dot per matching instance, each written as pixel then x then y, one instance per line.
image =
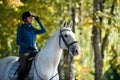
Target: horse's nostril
pixel 76 51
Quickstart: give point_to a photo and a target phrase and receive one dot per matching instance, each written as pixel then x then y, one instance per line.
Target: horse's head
pixel 67 39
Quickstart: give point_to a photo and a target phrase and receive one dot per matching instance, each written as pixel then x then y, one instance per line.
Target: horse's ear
pixel 70 24
pixel 64 24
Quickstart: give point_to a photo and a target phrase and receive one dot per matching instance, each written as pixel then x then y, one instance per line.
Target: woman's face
pixel 29 19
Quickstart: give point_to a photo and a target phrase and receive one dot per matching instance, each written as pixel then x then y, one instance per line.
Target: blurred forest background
pixel 96 25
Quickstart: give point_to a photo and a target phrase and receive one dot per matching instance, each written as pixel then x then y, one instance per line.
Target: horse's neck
pixel 51 51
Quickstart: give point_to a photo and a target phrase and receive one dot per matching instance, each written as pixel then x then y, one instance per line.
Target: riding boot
pixel 23 73
pixel 23 65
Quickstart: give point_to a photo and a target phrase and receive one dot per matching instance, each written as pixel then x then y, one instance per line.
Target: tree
pixel 99 47
pixel 96 43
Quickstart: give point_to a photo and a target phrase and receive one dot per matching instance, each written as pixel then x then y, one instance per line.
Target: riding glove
pixel 31 48
pixel 37 19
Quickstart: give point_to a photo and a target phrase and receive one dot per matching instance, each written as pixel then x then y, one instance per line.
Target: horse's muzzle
pixel 75 50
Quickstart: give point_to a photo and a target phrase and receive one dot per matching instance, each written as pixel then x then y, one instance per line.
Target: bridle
pixel 66 44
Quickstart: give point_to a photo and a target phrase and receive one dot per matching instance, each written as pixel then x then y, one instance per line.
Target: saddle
pixel 15 69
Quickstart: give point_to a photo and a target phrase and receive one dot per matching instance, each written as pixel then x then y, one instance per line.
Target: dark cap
pixel 26 14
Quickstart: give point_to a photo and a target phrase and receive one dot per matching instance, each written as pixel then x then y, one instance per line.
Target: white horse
pixel 47 60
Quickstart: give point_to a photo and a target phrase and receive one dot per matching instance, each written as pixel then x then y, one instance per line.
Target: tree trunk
pixel 71 67
pixel 97 53
pixel 61 69
pixel 96 43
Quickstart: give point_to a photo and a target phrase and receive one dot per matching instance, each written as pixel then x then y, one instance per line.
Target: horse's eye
pixel 66 35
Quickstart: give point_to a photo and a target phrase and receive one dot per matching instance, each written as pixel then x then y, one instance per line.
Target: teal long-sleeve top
pixel 26 36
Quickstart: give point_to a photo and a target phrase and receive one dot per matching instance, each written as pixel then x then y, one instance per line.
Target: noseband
pixel 65 42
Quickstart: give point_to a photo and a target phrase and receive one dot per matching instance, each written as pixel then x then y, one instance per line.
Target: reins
pixel 36 67
pixel 54 75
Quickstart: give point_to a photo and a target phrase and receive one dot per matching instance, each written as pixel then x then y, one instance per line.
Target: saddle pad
pixel 13 72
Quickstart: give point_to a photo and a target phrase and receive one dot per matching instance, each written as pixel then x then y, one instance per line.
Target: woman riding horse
pixel 45 64
pixel 26 39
